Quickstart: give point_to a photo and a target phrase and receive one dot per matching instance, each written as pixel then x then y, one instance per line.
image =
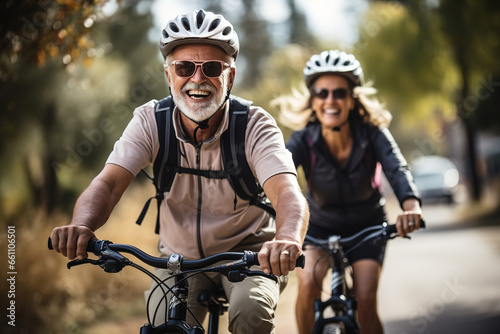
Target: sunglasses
pixel 322 93
pixel 210 68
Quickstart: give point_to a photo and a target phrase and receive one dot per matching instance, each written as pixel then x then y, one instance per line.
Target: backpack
pixel 236 168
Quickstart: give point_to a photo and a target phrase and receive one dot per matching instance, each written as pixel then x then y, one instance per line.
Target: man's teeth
pixel 331 111
pixel 198 93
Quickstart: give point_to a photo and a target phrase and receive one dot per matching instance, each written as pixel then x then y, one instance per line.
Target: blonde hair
pixel 296 111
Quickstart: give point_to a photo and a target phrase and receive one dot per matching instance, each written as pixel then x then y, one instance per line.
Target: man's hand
pixel 71 240
pixel 278 257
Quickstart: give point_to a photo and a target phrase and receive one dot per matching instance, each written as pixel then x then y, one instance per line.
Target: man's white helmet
pixel 335 62
pixel 199 27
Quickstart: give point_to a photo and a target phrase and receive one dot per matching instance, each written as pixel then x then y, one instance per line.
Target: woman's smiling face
pixel 332 100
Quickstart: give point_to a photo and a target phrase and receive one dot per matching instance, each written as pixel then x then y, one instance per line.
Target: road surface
pixel 445 280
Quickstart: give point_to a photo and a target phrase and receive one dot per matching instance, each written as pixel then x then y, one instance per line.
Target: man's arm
pixel 92 210
pixel 292 216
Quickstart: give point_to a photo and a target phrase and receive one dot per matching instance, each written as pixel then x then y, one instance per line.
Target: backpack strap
pixel 239 174
pixel 168 155
pixel 168 152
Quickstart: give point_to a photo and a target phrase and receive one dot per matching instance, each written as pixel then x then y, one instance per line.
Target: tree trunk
pixel 474 184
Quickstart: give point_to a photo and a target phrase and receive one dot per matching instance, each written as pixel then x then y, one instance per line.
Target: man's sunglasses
pixel 210 68
pixel 322 93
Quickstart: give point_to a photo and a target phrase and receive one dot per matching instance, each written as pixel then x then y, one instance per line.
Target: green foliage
pixel 447 53
pixel 59 121
pixel 472 29
pixel 410 69
pixel 283 73
pixel 38 30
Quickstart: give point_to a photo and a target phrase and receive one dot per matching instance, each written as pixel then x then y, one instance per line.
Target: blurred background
pixel 72 72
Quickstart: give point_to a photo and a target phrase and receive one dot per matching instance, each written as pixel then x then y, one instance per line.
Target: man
pixel 202 216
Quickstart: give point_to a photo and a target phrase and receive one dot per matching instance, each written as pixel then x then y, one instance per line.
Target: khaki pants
pixel 252 302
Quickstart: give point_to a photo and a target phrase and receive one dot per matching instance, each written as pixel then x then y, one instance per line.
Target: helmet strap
pixel 339 127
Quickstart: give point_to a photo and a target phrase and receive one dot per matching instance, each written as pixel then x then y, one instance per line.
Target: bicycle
pixel 236 270
pixel 342 303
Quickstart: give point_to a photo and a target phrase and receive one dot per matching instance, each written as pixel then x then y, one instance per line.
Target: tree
pixel 36 30
pixel 436 52
pixel 299 32
pixel 59 121
pixel 255 42
pixel 471 28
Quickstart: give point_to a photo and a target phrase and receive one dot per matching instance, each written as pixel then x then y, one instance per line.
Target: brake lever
pixel 229 267
pixel 75 263
pixel 394 236
pixel 110 261
pixel 260 273
pixel 239 275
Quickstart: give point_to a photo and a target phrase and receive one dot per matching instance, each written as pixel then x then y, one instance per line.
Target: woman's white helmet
pixel 335 62
pixel 199 26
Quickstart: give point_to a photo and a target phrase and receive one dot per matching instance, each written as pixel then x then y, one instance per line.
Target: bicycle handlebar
pixel 108 250
pixel 110 259
pixel 383 231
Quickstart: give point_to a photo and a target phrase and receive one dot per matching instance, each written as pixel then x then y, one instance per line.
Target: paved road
pixel 447 279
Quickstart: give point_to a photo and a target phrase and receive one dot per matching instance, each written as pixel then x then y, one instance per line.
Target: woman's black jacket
pixel 350 194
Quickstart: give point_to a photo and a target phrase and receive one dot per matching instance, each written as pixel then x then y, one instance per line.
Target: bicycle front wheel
pixel 333 328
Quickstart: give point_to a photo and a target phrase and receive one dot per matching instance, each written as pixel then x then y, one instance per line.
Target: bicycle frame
pixel 342 301
pixel 176 322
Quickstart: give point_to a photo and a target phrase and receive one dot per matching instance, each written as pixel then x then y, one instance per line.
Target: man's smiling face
pixel 199 96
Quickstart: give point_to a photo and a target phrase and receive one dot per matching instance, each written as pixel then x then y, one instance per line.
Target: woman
pixel 342 142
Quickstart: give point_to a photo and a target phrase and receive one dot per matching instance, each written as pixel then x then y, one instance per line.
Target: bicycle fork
pixel 343 307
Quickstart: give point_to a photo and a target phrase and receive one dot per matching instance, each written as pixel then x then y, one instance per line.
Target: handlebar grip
pixel 90 246
pixel 392 228
pixel 422 223
pixel 301 261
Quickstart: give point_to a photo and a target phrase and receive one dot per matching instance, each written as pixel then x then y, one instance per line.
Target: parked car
pixel 436 177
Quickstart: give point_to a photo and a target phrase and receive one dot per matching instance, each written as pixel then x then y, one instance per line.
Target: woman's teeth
pixel 331 111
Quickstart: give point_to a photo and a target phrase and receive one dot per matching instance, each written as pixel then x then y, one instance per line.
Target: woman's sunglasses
pixel 210 68
pixel 322 93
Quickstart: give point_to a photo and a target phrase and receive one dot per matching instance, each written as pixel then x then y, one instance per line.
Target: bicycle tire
pixel 333 328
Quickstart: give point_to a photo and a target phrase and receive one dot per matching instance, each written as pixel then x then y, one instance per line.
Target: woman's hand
pixel 409 220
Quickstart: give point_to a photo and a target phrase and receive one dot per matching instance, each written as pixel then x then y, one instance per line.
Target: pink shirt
pixel 220 226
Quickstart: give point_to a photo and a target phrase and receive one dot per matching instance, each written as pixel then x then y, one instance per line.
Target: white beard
pixel 205 110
